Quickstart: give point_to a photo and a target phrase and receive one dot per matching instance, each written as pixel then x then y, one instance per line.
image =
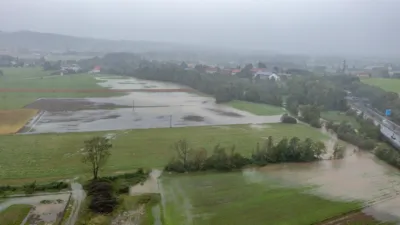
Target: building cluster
pixel 257 73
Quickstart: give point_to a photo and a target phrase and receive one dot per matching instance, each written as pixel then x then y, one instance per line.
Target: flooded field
pixel 360 176
pixel 46 208
pixel 136 110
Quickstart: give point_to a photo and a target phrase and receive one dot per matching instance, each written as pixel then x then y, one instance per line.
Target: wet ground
pixel 62 105
pixel 359 176
pixel 45 209
pixel 136 110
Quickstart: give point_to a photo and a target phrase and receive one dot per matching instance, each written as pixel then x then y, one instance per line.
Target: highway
pixel 388 128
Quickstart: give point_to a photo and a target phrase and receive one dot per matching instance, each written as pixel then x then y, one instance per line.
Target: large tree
pixel 96 153
pixel 261 65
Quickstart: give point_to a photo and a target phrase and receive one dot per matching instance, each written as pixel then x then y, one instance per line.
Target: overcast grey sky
pixel 298 26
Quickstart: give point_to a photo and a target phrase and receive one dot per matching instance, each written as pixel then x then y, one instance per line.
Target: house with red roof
pixel 235 71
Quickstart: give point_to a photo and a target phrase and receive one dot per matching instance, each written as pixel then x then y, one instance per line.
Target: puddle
pixel 193 118
pixel 33 200
pixel 149 186
pixel 45 209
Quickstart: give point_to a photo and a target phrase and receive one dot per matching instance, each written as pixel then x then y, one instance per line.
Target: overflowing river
pixel 138 110
pixel 359 176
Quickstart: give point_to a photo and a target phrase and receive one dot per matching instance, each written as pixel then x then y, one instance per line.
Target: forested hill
pixel 57 42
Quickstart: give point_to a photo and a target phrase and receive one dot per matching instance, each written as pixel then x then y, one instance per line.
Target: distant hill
pixel 56 42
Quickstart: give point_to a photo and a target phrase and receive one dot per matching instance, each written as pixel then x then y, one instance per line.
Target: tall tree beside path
pixel 96 153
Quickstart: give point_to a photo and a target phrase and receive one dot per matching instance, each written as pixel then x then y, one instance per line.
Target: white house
pixel 264 75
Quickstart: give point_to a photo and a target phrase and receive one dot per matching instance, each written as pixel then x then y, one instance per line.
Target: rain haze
pixel 287 26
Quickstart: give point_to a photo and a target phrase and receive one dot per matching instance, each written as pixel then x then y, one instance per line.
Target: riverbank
pixel 26 158
pixel 242 198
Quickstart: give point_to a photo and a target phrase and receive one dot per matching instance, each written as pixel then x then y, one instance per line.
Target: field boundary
pixel 29 90
pixel 31 123
pixel 62 214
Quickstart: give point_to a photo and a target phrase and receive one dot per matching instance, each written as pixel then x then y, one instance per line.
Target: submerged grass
pixel 232 198
pixel 25 158
pixel 256 108
pixel 14 214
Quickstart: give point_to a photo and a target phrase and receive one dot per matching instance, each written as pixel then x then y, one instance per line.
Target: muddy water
pixel 34 200
pixel 359 176
pixel 151 110
pixel 149 186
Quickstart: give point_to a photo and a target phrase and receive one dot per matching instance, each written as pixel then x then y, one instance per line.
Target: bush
pixel 29 188
pixel 134 178
pixel 315 123
pixel 175 165
pixel 288 119
pixel 102 193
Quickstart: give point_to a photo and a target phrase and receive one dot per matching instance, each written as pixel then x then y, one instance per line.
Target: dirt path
pixel 78 194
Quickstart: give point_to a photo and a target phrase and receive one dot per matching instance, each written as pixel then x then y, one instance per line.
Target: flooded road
pixel 138 110
pixel 41 212
pixel 359 176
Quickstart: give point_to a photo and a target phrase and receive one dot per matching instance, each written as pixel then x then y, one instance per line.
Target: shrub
pixel 315 123
pixel 102 193
pixel 288 119
pixel 226 159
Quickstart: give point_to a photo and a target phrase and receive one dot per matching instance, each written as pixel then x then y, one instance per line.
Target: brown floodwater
pixel 359 176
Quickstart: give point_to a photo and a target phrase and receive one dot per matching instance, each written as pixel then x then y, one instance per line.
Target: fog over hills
pixel 361 27
pixel 57 42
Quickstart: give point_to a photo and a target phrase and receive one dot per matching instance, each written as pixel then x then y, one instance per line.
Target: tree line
pixel 227 159
pixel 224 88
pixel 366 136
pixel 378 98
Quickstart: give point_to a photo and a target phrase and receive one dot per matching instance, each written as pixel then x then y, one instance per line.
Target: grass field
pixel 13 120
pixel 14 214
pixel 231 198
pixel 384 83
pixel 337 116
pixel 256 108
pixel 30 78
pixel 32 157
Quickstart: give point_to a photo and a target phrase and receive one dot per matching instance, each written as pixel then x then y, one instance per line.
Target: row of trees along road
pixel 378 98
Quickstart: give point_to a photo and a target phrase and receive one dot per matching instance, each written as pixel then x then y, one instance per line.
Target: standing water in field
pixel 137 110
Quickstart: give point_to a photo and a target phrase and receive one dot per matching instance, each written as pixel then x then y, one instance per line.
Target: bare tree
pixel 96 153
pixel 182 149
